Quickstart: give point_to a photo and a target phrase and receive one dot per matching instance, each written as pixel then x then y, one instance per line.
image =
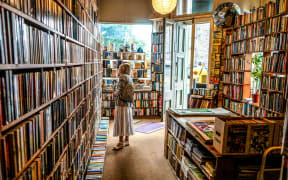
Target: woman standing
pixel 123 119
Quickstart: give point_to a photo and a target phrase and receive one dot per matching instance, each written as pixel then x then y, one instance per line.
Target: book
pixel 205 128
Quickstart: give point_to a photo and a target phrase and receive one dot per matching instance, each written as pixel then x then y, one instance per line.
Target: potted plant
pixel 256 75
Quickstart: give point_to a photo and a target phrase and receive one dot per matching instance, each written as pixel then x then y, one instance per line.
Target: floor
pixel 142 160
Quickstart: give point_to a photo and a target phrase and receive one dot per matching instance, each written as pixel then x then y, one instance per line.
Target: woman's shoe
pixel 118 147
pixel 126 143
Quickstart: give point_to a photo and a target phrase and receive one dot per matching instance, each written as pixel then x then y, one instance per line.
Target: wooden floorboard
pixel 142 160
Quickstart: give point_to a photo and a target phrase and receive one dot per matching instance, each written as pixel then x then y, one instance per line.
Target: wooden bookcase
pixel 50 78
pixel 145 100
pixel 226 166
pixel 252 33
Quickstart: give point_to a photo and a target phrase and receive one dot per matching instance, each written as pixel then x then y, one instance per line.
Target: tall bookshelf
pixel 157 61
pixel 145 97
pixel 263 30
pixel 50 79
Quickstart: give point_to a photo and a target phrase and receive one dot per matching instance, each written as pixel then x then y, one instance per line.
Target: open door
pixel 168 61
pixel 178 66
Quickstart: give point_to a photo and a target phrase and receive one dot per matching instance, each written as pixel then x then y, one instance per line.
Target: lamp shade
pixel 164 6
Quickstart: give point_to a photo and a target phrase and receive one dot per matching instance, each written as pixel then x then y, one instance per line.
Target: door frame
pixel 194 21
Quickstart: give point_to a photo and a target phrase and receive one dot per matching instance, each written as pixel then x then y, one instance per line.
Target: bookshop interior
pixel 143 89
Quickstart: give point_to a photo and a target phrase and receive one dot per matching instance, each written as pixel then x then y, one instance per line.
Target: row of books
pixel 239 47
pixel 14 25
pixel 255 45
pixel 250 31
pixel 123 56
pixel 240 33
pixel 146 112
pixel 108 104
pixel 191 171
pixel 157 68
pixel 227 52
pixel 277 24
pixel 276 42
pixel 237 63
pixel 236 78
pixel 228 39
pixel 74 53
pixel 30 135
pixel 200 103
pixel 175 147
pixel 273 83
pixel 234 92
pixel 275 8
pixel 145 103
pixel 157 58
pixel 176 129
pixel 25 93
pixel 78 11
pixel 272 101
pixel 232 105
pixel 251 110
pixel 157 48
pixel 275 63
pixel 96 163
pixel 157 86
pixel 174 163
pixel 115 64
pixel 92 68
pixel 250 17
pixel 203 92
pixel 145 95
pixel 157 38
pixel 255 29
pixel 269 10
pixel 156 77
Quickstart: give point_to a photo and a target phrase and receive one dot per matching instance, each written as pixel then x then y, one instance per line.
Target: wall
pixel 245 5
pixel 125 11
pixel 132 11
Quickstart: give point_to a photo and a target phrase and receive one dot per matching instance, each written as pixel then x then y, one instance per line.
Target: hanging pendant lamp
pixel 164 6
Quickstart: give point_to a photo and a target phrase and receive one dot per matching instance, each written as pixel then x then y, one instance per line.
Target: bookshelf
pixel 190 155
pixel 145 97
pixel 157 60
pixel 50 78
pixel 262 30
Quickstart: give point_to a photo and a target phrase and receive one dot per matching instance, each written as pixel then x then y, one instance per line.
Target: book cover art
pixel 236 138
pixel 206 129
pixel 260 138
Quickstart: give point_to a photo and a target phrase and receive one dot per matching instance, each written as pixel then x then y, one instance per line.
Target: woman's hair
pixel 126 68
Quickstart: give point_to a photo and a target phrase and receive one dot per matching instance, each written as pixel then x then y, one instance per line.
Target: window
pixel 193 6
pixel 123 34
pixel 201 52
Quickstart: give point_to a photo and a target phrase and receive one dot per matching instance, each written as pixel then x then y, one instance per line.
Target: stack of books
pixel 96 164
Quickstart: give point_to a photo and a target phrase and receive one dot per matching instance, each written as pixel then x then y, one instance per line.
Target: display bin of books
pixel 192 152
pixel 245 135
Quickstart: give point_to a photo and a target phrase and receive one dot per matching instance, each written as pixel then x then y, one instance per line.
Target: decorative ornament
pixel 224 15
pixel 164 6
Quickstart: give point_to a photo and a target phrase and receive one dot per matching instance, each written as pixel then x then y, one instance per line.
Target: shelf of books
pixel 50 87
pixel 202 98
pixel 262 30
pixel 157 60
pixel 145 97
pixel 195 151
